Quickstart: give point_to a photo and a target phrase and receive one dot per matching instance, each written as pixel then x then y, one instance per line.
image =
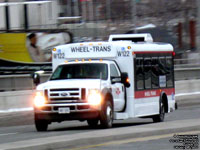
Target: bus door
pixel 118 88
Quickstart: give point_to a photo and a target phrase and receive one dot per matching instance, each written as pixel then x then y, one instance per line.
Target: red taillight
pixel 173 53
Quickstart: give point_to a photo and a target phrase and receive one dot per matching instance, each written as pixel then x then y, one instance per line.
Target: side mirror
pixel 115 80
pixel 125 79
pixel 36 78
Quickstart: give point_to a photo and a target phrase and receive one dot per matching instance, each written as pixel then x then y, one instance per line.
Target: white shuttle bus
pixel 129 76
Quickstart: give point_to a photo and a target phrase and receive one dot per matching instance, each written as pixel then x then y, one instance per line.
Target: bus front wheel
pixel 40 124
pixel 106 116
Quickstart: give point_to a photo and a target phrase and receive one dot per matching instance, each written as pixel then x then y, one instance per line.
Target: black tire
pixel 106 115
pixel 93 123
pixel 161 116
pixel 40 124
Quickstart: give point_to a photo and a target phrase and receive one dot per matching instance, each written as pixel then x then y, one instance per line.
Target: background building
pixel 174 21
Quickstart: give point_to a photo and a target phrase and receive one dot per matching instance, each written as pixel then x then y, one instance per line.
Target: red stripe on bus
pixel 153 52
pixel 153 93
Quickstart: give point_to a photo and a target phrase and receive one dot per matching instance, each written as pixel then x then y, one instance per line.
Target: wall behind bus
pixel 186 91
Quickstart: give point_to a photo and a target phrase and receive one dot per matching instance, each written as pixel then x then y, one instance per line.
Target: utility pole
pixel 69 8
pixel 108 16
pixel 26 26
pixel 91 18
pixel 134 15
pixel 76 7
pixel 7 16
pixel 108 10
pixel 198 25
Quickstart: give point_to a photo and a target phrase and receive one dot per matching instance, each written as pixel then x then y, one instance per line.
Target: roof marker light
pixel 54 49
pixel 90 60
pixel 101 60
pixel 76 60
pixel 81 44
pixel 66 61
pixel 83 60
pixel 129 47
pixel 99 43
pixel 90 44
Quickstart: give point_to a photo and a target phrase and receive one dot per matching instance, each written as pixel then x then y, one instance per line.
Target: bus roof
pixel 153 47
pixel 109 49
pixel 141 37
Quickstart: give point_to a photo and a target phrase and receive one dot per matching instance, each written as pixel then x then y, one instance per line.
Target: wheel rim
pixel 162 111
pixel 109 113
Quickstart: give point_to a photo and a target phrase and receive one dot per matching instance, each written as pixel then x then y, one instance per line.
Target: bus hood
pixel 75 83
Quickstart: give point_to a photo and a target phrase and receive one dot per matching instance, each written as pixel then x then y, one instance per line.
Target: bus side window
pixel 169 73
pixel 162 66
pixel 139 74
pixel 162 71
pixel 147 72
pixel 155 73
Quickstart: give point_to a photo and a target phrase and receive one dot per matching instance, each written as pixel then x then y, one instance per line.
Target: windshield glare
pixel 81 71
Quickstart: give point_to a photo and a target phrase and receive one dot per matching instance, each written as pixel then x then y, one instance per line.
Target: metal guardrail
pixel 25 82
pixel 12 67
pixel 187 60
pixel 187 63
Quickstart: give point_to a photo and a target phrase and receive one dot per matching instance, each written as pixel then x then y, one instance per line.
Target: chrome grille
pixel 64 95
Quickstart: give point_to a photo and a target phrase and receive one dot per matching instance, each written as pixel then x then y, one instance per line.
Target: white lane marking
pixel 16 110
pixel 8 134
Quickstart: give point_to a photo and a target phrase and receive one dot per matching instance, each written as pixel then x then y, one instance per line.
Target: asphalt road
pixel 17 129
pixel 159 142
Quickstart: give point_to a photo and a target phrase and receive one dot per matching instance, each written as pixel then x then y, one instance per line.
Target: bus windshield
pixel 81 71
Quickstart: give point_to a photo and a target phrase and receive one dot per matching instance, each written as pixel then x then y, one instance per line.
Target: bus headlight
pixel 39 99
pixel 94 97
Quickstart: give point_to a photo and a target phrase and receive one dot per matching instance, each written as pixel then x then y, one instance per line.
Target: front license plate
pixel 64 110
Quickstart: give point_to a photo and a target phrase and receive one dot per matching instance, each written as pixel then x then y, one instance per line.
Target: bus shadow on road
pixel 119 125
pixel 85 127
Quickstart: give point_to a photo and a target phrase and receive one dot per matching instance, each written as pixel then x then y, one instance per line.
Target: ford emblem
pixel 64 94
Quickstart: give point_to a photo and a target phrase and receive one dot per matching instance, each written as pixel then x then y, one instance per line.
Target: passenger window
pixel 155 72
pixel 139 74
pixel 162 65
pixel 147 72
pixel 113 71
pixel 169 73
